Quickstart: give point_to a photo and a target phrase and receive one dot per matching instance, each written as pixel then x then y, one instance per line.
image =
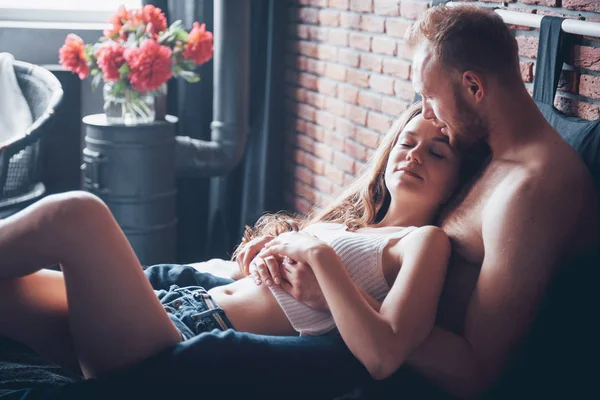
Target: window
pixel 62 10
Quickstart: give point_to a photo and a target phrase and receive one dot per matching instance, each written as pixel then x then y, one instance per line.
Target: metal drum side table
pixel 132 169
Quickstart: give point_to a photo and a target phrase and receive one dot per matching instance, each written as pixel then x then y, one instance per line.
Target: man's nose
pixel 427 111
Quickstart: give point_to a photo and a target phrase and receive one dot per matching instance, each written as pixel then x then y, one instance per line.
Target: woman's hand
pixel 300 282
pixel 298 246
pixel 250 251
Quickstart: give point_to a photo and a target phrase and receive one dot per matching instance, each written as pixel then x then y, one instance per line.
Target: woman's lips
pixel 407 171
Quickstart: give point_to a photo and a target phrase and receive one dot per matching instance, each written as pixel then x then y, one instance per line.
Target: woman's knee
pixel 75 208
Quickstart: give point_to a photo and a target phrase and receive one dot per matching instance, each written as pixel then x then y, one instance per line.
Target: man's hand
pixel 250 251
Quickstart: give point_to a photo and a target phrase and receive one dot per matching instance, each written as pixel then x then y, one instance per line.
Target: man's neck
pixel 514 120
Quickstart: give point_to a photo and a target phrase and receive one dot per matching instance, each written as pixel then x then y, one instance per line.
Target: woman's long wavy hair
pixel 364 202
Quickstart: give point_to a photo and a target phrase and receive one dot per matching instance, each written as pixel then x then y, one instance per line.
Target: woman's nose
pixel 415 155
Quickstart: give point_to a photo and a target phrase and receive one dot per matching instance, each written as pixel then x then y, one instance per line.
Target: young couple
pixel 373 259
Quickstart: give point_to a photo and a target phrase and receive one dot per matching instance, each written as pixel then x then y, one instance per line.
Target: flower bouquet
pixel 135 58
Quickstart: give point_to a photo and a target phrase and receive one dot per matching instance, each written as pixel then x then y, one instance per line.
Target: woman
pixel 109 317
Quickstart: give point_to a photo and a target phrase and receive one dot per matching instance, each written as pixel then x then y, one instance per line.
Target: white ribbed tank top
pixel 361 255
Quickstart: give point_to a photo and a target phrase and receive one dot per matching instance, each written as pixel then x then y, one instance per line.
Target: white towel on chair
pixel 15 115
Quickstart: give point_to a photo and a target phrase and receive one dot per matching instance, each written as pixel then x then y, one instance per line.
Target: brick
pixel 384 45
pixel 404 51
pixel 528 46
pixel 319 3
pixel 329 17
pixel 344 162
pixel 327 52
pixel 300 94
pixel 305 191
pixel 355 150
pixel 334 140
pixel 318 34
pixel 300 31
pixel 371 62
pixel 573 107
pixel 307 48
pixel 305 111
pixel 302 173
pixel 558 14
pixel 314 164
pixel 316 67
pixel 305 143
pixel 526 71
pixel 396 27
pixel 336 175
pixel 335 106
pixel 412 9
pixel 301 63
pixel 348 57
pixel 397 68
pixel 349 179
pixel 307 81
pixel 358 78
pixel 300 125
pixel 335 71
pixel 582 5
pixel 323 152
pixel 315 99
pixel 369 100
pixel 382 84
pixel 323 184
pixel 302 206
pixel 349 20
pixel 547 3
pixel 345 127
pixel 589 86
pixel 368 138
pixel 304 2
pixel 372 24
pixel 378 122
pixel 337 37
pixel 387 7
pixel 325 119
pixel 357 115
pixel 365 6
pixel 360 41
pixel 339 4
pixel 392 106
pixel 327 86
pixel 314 131
pixel 569 82
pixel 586 57
pixel 348 93
pixel 404 90
pixel 308 15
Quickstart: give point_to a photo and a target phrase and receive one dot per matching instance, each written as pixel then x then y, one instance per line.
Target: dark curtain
pixel 212 212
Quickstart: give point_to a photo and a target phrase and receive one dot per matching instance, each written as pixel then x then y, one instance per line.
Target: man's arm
pixel 525 231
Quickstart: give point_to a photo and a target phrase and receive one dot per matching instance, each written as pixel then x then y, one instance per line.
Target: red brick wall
pixel 348 75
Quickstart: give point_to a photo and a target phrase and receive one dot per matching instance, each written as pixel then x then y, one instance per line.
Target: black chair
pixel 20 166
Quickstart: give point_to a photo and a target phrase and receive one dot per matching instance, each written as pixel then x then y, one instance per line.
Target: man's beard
pixel 471 128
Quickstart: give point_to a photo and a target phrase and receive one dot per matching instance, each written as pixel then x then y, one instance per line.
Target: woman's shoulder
pixel 429 236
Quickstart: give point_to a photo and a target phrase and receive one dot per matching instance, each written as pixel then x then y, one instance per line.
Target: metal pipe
pixel 576 27
pixel 230 126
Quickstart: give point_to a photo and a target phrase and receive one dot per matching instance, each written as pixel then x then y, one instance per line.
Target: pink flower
pixel 110 59
pixel 200 44
pixel 155 20
pixel 72 56
pixel 117 21
pixel 150 65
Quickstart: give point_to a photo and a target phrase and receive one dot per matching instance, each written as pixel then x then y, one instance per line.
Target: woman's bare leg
pixel 114 316
pixel 33 310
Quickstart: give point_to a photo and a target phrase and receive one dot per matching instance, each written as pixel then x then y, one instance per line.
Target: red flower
pixel 150 65
pixel 110 59
pixel 117 21
pixel 200 44
pixel 154 19
pixel 72 56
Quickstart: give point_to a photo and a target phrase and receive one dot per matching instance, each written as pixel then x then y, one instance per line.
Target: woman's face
pixel 422 164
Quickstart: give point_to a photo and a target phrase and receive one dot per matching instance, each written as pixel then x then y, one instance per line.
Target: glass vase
pixel 128 106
